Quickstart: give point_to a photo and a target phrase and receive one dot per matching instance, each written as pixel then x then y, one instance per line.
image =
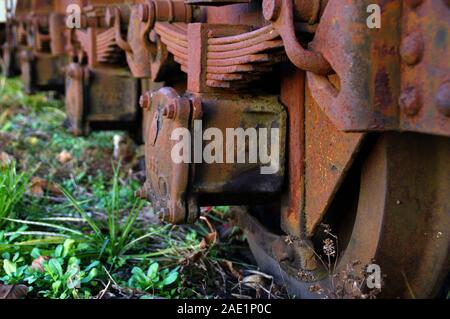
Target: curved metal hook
pixel 144 34
pixel 120 41
pixel 281 12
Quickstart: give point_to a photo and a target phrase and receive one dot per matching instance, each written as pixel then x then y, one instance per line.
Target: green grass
pixel 12 189
pixel 93 238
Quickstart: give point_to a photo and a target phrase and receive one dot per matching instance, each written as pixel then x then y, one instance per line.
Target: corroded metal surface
pixel 90 107
pixel 312 68
pixel 329 154
pixel 392 78
pixel 293 201
pixel 214 183
pixel 166 183
pixel 395 223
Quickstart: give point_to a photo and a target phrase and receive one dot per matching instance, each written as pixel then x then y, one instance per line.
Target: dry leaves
pixel 211 238
pixel 64 157
pixel 5 159
pixel 39 186
pixel 254 281
pixel 13 292
pixel 228 265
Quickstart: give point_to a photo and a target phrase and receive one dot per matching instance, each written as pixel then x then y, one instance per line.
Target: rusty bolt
pixel 410 101
pixel 412 48
pixel 413 3
pixel 271 9
pixel 170 111
pixel 144 13
pixel 145 101
pixel 153 36
pixel 443 99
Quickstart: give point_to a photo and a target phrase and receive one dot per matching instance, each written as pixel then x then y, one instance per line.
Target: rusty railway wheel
pixel 393 209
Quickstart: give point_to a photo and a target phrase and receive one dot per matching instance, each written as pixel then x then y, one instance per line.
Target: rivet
pixel 412 48
pixel 144 101
pixel 410 101
pixel 443 99
pixel 271 9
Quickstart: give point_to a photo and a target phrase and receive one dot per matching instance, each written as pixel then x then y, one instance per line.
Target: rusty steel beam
pixel 329 154
pixel 293 98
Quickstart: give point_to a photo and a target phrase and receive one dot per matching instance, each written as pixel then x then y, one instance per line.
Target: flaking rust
pixel 337 92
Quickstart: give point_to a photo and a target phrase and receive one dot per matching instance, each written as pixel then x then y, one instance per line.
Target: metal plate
pixel 167 181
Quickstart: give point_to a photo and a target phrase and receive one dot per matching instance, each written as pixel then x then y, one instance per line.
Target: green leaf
pixel 35 253
pixel 92 265
pixel 58 251
pixel 153 270
pixel 92 274
pixel 9 267
pixel 68 244
pixel 55 267
pixel 56 285
pixel 139 276
pixel 170 279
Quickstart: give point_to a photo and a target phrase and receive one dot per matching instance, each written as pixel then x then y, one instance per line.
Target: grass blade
pixel 78 208
pixel 24 222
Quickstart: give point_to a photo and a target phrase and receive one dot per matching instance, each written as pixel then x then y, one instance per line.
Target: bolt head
pixel 145 101
pixel 412 48
pixel 410 101
pixel 153 36
pixel 271 9
pixel 443 99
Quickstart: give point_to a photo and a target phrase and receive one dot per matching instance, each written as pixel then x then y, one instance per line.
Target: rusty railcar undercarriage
pixel 362 112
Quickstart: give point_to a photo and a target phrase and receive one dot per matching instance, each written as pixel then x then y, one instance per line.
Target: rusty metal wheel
pixel 400 189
